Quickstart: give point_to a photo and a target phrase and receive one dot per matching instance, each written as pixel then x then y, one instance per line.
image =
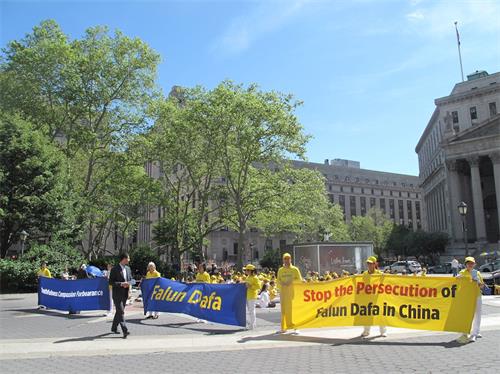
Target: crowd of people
pixel 262 287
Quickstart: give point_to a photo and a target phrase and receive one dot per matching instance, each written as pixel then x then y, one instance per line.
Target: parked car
pixel 408 266
pixel 492 280
pixel 444 268
pixel 490 266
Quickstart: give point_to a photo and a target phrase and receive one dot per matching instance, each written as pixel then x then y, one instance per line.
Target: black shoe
pixel 115 331
pixel 125 334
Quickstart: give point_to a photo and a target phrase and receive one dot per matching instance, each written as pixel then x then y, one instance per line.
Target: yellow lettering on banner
pixel 213 301
pixel 426 303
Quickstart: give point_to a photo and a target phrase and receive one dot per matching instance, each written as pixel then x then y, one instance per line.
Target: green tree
pixel 32 185
pixel 260 128
pixel 90 96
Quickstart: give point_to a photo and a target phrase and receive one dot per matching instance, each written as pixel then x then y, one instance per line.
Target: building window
pixel 352 203
pixel 362 190
pixel 330 196
pixel 410 212
pixel 382 205
pixel 341 188
pixel 269 244
pixel 352 189
pixel 391 207
pixel 473 112
pixel 493 109
pixel 235 248
pixel 363 205
pixel 373 191
pixel 372 202
pixel 401 211
pixel 342 203
pixel 399 193
pixel 329 187
pixel 454 116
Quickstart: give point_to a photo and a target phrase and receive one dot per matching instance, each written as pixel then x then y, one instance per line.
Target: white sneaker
pixel 296 332
pixel 472 339
pixel 479 336
pixel 383 335
pixel 281 332
pixel 365 334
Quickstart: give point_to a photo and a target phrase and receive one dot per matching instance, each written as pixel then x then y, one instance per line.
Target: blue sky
pixel 367 71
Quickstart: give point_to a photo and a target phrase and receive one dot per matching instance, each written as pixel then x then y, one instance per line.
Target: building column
pixel 358 205
pixel 454 200
pixel 405 212
pixel 495 159
pixel 414 214
pixel 477 198
pixel 347 208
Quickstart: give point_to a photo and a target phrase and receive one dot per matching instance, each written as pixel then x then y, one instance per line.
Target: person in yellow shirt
pixel 152 273
pixel 287 275
pixel 474 276
pixel 202 276
pixel 272 290
pixel 253 287
pixel 371 263
pixel 44 271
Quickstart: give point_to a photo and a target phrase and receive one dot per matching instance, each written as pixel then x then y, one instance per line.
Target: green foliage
pixel 140 257
pixel 17 275
pixel 271 259
pixel 57 255
pixel 21 274
pixel 33 194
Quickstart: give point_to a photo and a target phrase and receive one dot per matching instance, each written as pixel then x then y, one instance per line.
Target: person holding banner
pixel 475 276
pixel 152 273
pixel 287 274
pixel 371 262
pixel 202 276
pixel 120 278
pixel 44 271
pixel 253 287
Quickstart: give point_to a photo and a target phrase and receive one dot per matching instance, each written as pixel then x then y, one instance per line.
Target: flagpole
pixel 459 53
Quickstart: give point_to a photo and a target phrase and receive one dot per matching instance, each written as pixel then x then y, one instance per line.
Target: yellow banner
pixel 415 302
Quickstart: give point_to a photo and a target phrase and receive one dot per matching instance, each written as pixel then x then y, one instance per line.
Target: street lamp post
pixel 462 209
pixel 23 235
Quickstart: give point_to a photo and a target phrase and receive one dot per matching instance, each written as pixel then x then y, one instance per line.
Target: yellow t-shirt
pixel 154 274
pixel 203 277
pixel 286 276
pixel 376 271
pixel 253 287
pixel 272 292
pixel 467 274
pixel 44 273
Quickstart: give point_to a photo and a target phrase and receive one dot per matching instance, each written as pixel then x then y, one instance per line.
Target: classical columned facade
pixel 472 160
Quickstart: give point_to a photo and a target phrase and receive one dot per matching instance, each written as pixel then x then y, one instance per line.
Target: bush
pixel 140 257
pixel 57 255
pixel 18 275
pixel 271 259
pixel 21 274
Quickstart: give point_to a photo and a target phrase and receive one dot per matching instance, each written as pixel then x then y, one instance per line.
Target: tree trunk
pixel 241 246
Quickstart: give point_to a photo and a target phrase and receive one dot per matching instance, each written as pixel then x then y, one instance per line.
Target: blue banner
pixel 221 303
pixel 74 295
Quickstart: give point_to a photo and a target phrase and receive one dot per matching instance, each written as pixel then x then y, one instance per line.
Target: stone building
pixel 356 190
pixel 459 160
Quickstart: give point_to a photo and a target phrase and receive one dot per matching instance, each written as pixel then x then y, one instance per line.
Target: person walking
pixel 454 267
pixel 120 278
pixel 152 273
pixel 287 274
pixel 371 262
pixel 253 285
pixel 475 276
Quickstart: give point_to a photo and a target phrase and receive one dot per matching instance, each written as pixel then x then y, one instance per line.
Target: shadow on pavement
pixel 87 338
pixel 185 326
pixel 50 312
pixel 375 340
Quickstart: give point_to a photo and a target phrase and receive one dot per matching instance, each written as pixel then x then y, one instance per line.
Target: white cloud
pixel 415 16
pixel 267 17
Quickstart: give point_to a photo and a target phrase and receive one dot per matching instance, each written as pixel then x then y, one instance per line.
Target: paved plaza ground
pixel 49 341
